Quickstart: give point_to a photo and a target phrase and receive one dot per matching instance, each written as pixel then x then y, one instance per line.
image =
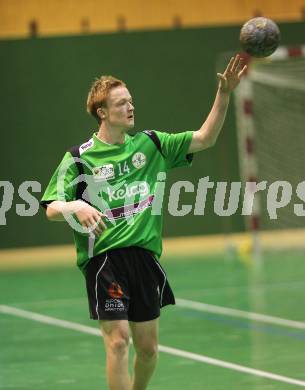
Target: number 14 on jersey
pixel 123 168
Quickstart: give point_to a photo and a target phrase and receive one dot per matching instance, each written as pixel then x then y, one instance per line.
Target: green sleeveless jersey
pixel 126 183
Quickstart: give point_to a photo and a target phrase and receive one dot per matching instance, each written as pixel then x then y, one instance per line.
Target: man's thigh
pixel 115 330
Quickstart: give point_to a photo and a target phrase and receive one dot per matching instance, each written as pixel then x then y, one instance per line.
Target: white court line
pixel 266 287
pixel 239 313
pixel 194 305
pixel 172 351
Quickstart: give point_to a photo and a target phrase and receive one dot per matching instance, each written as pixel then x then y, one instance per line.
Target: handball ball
pixel 259 37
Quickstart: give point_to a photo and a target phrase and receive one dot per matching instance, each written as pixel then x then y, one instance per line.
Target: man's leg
pixel 145 340
pixel 116 338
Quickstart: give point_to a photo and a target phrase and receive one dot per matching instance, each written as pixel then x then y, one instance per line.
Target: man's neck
pixel 111 136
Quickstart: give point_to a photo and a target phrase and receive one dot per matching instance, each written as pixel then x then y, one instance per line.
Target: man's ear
pixel 101 113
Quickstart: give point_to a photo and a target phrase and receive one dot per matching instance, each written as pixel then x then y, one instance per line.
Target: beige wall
pixel 64 16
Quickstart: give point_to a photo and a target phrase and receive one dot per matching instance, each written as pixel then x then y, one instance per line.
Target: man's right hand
pixel 89 217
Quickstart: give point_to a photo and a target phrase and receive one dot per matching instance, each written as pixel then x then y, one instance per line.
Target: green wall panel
pixel 171 74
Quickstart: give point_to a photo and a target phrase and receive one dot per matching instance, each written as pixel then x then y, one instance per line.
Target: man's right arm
pixel 88 216
pixel 60 200
pixel 57 208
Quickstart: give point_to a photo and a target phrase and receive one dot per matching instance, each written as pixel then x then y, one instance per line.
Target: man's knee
pixel 147 352
pixel 116 340
pixel 116 336
pixel 118 344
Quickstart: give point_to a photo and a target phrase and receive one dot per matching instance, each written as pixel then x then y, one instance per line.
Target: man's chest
pixel 123 178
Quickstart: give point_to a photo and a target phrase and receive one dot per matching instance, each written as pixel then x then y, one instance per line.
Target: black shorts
pixel 127 284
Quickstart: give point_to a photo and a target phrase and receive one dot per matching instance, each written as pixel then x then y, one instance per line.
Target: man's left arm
pixel 207 135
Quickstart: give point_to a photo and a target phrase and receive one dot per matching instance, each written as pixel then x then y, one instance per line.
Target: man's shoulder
pixel 151 137
pixel 144 135
pixel 148 137
pixel 78 150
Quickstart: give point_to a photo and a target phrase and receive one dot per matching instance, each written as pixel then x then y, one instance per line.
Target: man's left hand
pixel 230 79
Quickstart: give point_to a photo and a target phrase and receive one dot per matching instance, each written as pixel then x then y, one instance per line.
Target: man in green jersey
pixel 108 189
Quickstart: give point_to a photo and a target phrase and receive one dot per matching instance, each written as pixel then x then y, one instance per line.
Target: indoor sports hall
pixel 234 238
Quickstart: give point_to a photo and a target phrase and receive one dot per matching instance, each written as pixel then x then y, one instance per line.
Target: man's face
pixel 119 110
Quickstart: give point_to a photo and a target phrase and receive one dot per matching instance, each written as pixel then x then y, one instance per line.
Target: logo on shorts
pixel 138 160
pixel 115 290
pixel 114 305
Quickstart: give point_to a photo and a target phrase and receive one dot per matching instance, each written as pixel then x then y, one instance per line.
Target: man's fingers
pixel 99 219
pixel 102 224
pixel 221 76
pixel 242 71
pixel 99 224
pixel 93 222
pixel 222 79
pixel 239 65
pixel 97 231
pixel 99 227
pixel 87 226
pixel 229 66
pixel 235 62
